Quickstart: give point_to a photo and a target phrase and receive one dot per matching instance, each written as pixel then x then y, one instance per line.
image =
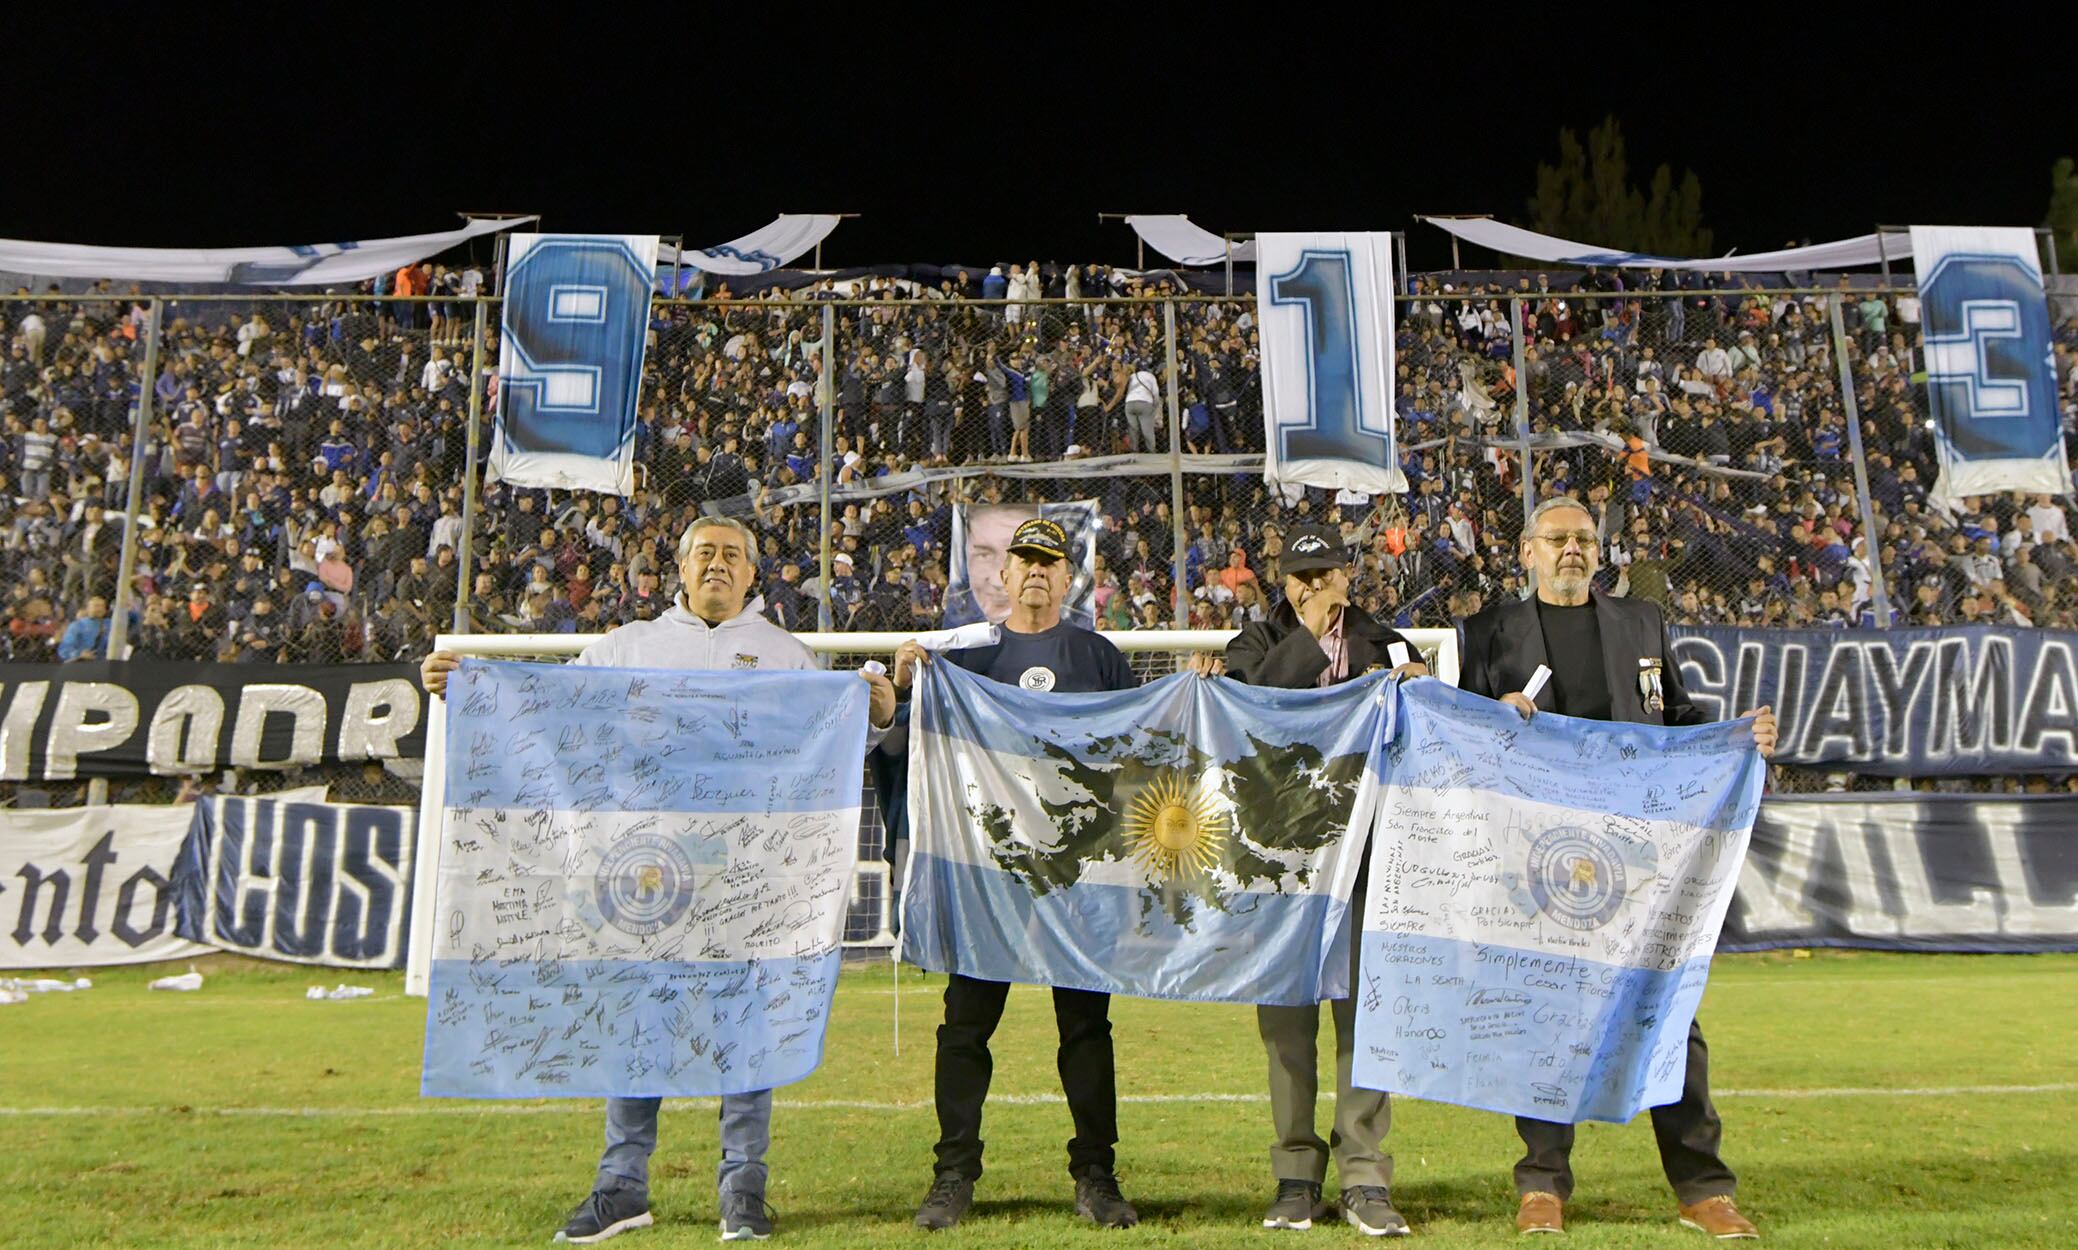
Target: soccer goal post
pixel 1154 653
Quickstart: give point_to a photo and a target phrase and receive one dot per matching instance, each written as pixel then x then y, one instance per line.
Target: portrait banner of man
pixel 980 536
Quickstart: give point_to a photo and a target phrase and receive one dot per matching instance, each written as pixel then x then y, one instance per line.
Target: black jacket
pixel 1282 652
pixel 1499 648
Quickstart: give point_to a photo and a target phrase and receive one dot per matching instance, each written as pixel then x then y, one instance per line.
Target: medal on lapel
pixel 1649 685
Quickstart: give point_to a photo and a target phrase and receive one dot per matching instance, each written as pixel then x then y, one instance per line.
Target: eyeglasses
pixel 1557 542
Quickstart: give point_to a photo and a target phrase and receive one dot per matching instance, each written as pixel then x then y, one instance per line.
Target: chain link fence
pixel 305 478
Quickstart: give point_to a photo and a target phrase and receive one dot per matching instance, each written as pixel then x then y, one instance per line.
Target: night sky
pixel 963 142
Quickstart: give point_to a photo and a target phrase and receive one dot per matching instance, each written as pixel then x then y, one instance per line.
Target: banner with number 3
pixel 1326 305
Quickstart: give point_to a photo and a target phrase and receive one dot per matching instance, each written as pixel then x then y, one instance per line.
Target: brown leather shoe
pixel 1719 1216
pixel 1541 1213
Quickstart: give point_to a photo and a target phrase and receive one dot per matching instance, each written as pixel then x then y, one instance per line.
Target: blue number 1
pixel 1322 284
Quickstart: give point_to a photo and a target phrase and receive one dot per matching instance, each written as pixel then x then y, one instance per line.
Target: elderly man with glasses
pixel 1610 660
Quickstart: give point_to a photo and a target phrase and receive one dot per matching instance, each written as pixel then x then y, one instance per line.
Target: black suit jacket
pixel 1282 652
pixel 1500 647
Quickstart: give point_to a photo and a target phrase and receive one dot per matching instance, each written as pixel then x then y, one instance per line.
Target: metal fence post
pixel 140 432
pixel 826 400
pixel 1522 411
pixel 1872 542
pixel 1180 601
pixel 464 580
pixel 126 565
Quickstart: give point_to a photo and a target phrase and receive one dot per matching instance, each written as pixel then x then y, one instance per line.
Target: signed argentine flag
pixel 1544 901
pixel 643 879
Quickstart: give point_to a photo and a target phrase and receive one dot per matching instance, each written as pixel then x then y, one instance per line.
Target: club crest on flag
pixel 1575 876
pixel 644 884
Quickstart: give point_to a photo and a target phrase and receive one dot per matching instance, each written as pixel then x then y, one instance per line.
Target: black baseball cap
pixel 1040 537
pixel 1314 547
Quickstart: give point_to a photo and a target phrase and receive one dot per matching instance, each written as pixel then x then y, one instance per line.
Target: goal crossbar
pixel 1439 645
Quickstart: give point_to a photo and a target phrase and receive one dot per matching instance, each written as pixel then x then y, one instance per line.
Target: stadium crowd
pixel 303 477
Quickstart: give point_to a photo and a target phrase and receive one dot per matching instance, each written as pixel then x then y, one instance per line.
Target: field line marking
pixel 464 1107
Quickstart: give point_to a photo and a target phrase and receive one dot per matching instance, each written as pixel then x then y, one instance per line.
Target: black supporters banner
pixel 1910 872
pixel 126 719
pixel 1964 701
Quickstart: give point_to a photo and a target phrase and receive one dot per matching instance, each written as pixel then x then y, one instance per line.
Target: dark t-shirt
pixel 1573 646
pixel 1067 659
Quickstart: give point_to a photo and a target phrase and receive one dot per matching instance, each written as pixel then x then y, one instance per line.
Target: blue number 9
pixel 574 324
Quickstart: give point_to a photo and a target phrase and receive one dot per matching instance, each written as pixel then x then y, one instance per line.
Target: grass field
pixel 1882 1101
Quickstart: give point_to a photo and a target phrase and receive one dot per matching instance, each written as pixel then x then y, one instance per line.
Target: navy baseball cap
pixel 1040 537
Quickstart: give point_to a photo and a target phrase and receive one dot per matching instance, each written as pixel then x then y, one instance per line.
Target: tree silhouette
pixel 2062 218
pixel 1588 197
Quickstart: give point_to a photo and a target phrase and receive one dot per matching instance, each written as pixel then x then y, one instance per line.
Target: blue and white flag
pixel 643 879
pixel 1990 366
pixel 571 343
pixel 1188 839
pixel 1544 901
pixel 1326 305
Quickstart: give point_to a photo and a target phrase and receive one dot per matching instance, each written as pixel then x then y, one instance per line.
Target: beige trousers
pixel 1362 1116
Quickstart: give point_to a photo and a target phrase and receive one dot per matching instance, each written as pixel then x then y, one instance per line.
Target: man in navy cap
pixel 1039 650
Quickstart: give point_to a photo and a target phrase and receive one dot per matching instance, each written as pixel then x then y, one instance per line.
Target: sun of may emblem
pixel 1174 831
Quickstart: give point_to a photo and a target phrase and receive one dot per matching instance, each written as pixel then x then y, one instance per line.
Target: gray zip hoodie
pixel 680 639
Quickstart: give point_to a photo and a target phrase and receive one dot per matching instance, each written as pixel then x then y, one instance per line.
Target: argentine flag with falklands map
pixel 1544 900
pixel 1188 839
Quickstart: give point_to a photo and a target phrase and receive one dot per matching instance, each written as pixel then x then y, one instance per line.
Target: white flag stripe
pixel 1485 909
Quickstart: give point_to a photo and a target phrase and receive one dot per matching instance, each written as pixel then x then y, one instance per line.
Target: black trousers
pixel 972 1010
pixel 1688 1132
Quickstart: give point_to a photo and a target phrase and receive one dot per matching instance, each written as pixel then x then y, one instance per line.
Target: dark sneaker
pixel 1298 1205
pixel 606 1213
pixel 951 1194
pixel 745 1217
pixel 1369 1208
pixel 1098 1200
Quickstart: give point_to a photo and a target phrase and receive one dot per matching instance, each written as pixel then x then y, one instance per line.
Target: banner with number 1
pixel 1326 306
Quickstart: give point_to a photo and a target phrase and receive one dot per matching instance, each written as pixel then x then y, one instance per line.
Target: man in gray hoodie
pixel 715 623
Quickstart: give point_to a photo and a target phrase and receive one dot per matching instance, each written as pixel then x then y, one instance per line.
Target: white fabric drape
pixel 1866 249
pixel 1183 241
pixel 312 264
pixel 788 237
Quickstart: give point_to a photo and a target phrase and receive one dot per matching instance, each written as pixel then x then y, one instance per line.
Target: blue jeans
pixel 999 429
pixel 746 1133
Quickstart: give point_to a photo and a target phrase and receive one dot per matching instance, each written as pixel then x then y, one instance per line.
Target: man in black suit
pixel 1317 637
pixel 1609 660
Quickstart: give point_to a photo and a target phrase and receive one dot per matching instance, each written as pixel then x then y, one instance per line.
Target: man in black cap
pixel 1038 650
pixel 1317 637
